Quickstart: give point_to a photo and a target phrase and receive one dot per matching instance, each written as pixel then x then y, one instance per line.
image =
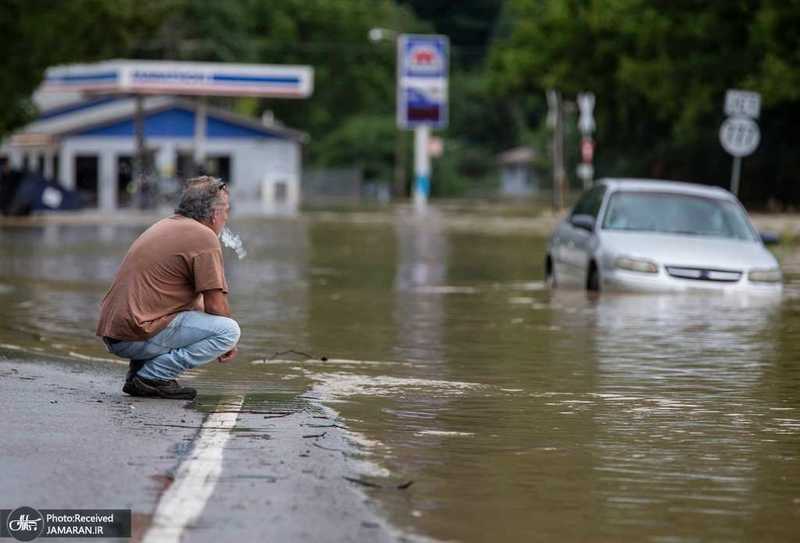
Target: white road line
pixel 197 476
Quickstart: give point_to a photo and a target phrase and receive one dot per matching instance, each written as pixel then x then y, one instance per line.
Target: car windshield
pixel 673 213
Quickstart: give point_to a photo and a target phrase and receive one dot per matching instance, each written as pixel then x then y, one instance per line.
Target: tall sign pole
pixel 586 127
pixel 422 73
pixel 739 133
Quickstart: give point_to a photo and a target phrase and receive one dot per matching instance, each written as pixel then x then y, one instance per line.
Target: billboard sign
pixel 422 69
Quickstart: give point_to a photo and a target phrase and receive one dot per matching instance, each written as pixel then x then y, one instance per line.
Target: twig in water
pixel 326 426
pixel 275 414
pixel 363 483
pixel 317 445
pixel 315 435
pixel 183 426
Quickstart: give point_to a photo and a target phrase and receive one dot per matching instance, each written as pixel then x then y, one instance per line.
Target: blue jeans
pixel 192 339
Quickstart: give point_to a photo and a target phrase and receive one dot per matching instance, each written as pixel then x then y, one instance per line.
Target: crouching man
pixel 167 310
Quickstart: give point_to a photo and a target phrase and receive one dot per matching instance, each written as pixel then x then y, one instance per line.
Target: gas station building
pixel 95 118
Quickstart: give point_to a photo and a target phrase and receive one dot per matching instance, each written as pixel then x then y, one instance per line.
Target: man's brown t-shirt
pixel 164 272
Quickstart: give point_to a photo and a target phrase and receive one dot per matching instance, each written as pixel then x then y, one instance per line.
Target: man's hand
pixel 227 357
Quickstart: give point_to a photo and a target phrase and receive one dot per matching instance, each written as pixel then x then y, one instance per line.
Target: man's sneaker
pixel 150 388
pixel 133 368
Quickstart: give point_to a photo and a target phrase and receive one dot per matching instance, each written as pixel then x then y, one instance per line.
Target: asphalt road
pixel 72 439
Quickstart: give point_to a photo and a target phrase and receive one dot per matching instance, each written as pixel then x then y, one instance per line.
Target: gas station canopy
pixel 181 78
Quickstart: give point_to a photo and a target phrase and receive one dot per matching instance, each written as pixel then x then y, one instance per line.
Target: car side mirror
pixel 584 222
pixel 770 238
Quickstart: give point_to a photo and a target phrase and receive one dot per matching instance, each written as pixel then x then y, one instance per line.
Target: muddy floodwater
pixel 519 413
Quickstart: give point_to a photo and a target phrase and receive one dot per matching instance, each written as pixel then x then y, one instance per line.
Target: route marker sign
pixel 739 136
pixel 742 104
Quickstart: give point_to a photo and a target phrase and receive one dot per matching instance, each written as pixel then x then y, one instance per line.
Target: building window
pixel 219 166
pixel 86 176
pixel 281 192
pixel 56 164
pixel 215 165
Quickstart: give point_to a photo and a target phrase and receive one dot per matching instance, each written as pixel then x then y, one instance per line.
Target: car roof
pixel 662 185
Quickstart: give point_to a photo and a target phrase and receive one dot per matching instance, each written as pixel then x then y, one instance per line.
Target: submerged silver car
pixel 647 235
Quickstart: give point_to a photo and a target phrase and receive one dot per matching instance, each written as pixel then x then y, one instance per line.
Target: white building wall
pixel 66 165
pixel 280 185
pixel 167 158
pixel 14 155
pixel 256 168
pixel 107 182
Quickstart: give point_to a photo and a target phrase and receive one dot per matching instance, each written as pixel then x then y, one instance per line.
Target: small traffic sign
pixel 587 149
pixel 742 104
pixel 586 107
pixel 435 146
pixel 739 136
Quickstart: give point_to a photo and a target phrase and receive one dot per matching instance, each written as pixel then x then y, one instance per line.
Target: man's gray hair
pixel 199 197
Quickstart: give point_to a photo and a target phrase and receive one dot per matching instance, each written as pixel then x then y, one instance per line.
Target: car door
pixel 577 238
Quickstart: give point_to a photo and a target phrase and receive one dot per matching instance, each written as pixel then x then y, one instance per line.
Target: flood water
pixel 519 413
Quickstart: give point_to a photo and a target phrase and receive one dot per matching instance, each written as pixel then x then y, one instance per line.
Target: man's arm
pixel 215 302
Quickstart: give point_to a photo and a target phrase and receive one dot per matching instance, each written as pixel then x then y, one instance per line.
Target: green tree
pixel 41 33
pixel 660 70
pixel 353 78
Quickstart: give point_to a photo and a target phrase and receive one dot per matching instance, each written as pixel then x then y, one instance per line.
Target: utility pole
pixel 139 159
pixel 377 35
pixel 556 121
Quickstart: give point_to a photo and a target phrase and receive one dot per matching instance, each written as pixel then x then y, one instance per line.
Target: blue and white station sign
pixel 183 78
pixel 422 71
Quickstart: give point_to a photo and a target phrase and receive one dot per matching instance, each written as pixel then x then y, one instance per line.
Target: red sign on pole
pixel 587 150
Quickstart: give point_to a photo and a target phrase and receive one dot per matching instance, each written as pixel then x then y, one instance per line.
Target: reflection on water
pixel 519 413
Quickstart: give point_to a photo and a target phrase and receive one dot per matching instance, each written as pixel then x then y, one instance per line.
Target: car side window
pixel 582 207
pixel 590 202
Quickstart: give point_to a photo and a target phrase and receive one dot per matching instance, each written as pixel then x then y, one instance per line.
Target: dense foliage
pixel 659 69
